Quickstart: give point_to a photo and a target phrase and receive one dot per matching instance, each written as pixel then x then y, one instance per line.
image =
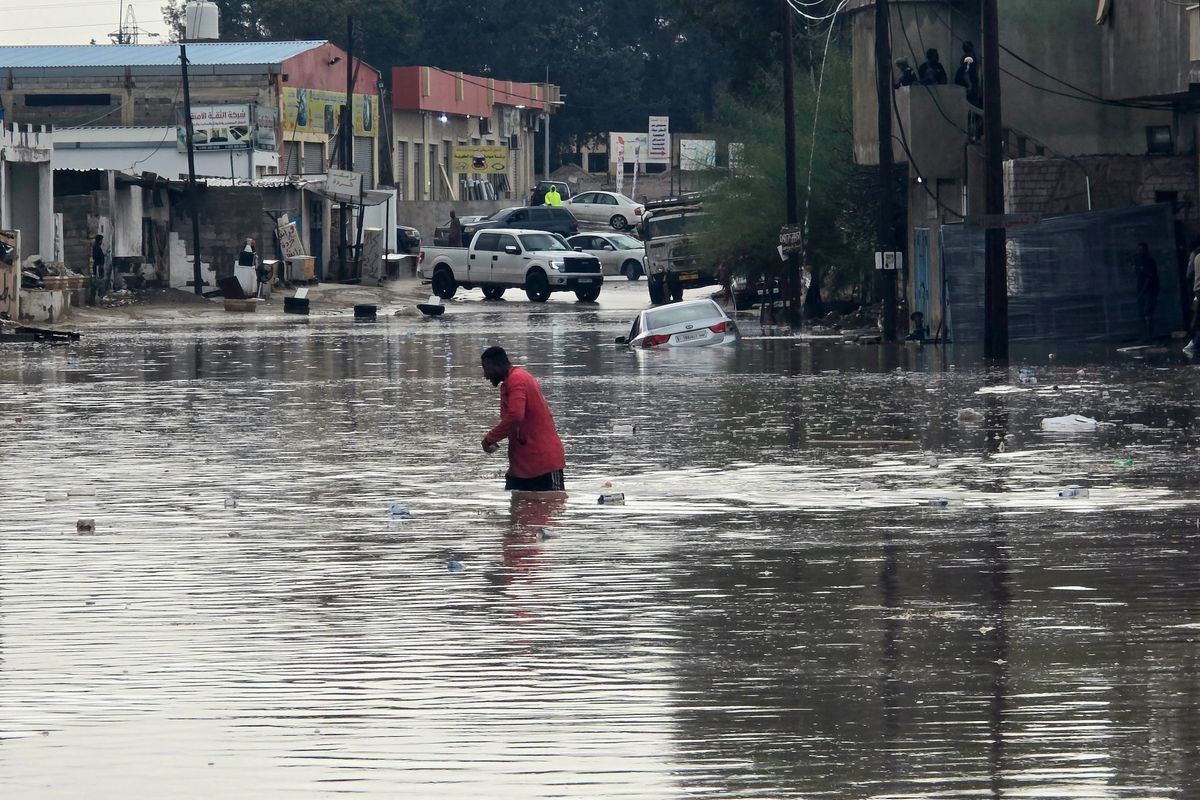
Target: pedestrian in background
pixel 455 235
pixel 931 72
pixel 535 453
pixel 538 196
pixel 1193 276
pixel 98 256
pixel 1145 271
pixel 553 198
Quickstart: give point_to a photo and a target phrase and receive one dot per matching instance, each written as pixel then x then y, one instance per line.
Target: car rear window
pixel 679 314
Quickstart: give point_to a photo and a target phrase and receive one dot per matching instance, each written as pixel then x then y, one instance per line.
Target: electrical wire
pixel 812 151
pixel 166 134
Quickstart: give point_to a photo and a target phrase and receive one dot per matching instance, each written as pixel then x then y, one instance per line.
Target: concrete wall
pixel 1058 186
pixel 1146 51
pixel 228 216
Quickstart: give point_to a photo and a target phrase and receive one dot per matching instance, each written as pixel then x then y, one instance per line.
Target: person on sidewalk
pixel 535 453
pixel 1145 271
pixel 553 198
pixel 538 196
pixel 98 256
pixel 455 235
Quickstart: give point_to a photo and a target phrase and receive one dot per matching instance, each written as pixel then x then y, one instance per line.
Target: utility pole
pixel 345 151
pixel 193 201
pixel 546 128
pixel 792 276
pixel 995 289
pixel 883 88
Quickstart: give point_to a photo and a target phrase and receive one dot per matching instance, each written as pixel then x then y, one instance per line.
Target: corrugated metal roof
pixel 200 54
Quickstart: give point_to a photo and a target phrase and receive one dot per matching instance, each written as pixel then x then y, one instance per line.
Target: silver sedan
pixel 619 253
pixel 692 323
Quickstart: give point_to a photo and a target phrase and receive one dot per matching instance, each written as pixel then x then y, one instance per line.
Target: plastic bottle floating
pixel 455 566
pixel 399 511
pixel 545 534
pixel 611 499
pixel 1074 491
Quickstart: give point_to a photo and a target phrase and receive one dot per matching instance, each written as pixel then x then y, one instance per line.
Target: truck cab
pixel 670 230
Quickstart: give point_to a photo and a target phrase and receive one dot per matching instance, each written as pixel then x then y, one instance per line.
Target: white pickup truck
pixel 499 259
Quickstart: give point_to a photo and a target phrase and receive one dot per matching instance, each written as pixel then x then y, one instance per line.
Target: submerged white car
pixel 693 323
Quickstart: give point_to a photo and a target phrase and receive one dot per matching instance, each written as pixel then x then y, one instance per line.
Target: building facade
pixel 1096 115
pixel 462 137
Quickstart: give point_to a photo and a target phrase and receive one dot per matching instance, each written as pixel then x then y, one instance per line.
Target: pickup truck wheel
pixel 588 295
pixel 537 287
pixel 655 285
pixel 493 292
pixel 631 270
pixel 618 222
pixel 444 285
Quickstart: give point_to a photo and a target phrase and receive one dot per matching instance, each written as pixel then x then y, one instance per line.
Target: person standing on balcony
pixel 931 72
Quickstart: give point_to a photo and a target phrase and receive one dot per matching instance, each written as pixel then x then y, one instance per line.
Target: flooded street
pixel 840 571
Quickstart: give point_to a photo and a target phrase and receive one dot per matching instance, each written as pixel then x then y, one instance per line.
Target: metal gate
pixel 921 271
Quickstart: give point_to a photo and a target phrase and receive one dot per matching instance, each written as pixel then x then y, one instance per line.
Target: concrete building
pixel 26 214
pixel 258 108
pixel 460 138
pixel 1095 114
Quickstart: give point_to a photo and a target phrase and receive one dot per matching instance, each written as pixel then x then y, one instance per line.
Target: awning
pixel 370 197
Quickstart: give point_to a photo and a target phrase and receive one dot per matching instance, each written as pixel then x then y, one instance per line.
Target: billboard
pixel 486 159
pixel 632 141
pixel 317 111
pixel 226 127
pixel 660 140
pixel 697 154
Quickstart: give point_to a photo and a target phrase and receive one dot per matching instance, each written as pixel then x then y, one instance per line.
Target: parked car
pixel 692 323
pixel 500 259
pixel 408 240
pixel 619 253
pixel 441 234
pixel 564 188
pixel 614 209
pixel 541 218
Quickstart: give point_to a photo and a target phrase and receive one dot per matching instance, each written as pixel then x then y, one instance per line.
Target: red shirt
pixel 534 448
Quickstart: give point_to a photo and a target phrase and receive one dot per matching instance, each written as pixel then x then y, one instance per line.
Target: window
pixel 505 240
pixel 586 197
pixel 50 100
pixel 676 315
pixel 607 200
pixel 1159 140
pixel 487 241
pixel 543 241
pixel 520 215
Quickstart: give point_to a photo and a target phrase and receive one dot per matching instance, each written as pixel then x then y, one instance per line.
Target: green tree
pixel 834 194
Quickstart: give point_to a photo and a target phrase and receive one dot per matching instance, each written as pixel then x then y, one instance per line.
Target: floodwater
pixel 793 602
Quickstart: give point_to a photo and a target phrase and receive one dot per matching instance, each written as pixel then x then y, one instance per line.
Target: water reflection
pixel 794 602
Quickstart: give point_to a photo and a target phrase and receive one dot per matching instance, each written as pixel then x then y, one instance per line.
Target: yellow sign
pixel 317 111
pixel 480 158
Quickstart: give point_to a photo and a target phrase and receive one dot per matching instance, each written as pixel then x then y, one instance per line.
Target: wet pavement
pixel 840 571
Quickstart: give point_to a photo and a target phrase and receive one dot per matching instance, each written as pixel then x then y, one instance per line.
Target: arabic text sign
pixel 342 184
pixel 289 240
pixel 660 140
pixel 791 238
pixel 217 128
pixel 485 159
pixel 697 154
pixel 632 140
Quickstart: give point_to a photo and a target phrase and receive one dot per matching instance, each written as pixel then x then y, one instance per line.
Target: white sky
pixel 78 22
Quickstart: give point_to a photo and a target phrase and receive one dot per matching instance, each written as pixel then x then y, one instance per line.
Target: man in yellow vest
pixel 553 198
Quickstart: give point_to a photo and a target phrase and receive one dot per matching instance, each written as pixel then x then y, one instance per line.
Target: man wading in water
pixel 535 453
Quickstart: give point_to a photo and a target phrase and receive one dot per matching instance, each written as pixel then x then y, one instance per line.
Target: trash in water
pixel 1074 491
pixel 399 511
pixel 85 526
pixel 623 429
pixel 52 496
pixel 1027 375
pixel 969 415
pixel 1072 423
pixel 939 502
pixel 612 499
pixel 231 502
pixel 1123 462
pixel 545 534
pixel 932 461
pixel 455 566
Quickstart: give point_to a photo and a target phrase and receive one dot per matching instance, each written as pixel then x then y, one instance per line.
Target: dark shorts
pixel 550 482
